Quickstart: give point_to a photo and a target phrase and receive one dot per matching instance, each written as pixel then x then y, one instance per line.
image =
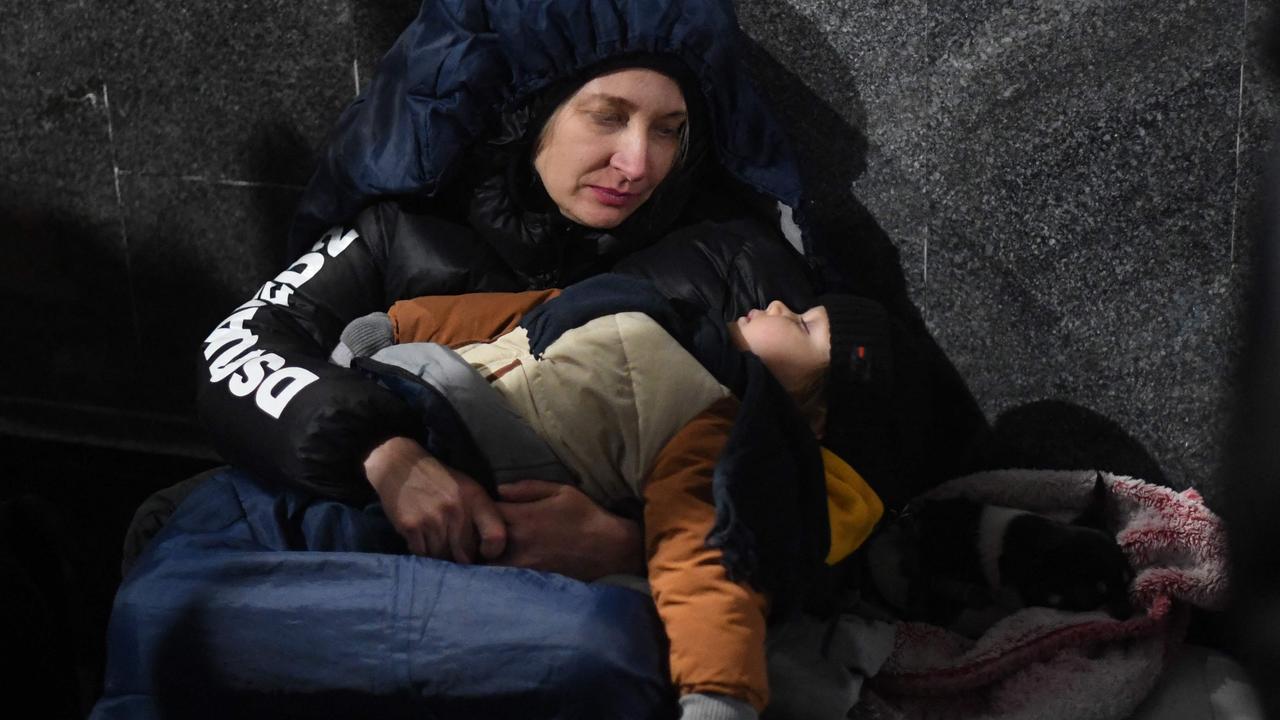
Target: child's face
pixel 795 348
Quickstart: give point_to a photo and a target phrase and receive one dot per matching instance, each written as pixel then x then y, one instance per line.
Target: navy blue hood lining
pixel 461 64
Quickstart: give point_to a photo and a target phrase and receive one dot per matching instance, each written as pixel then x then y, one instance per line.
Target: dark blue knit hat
pixel 861 374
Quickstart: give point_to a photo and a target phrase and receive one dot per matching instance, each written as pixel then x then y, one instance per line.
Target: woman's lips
pixel 612 198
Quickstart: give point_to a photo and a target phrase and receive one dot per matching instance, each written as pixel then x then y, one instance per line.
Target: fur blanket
pixel 1043 663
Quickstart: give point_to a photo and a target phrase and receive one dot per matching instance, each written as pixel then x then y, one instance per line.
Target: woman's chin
pixel 604 220
pixel 600 217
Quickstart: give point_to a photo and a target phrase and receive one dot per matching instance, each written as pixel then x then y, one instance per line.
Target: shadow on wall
pixel 933 427
pixel 833 152
pixel 833 155
pixel 98 348
pixel 214 273
pixel 1058 435
pixel 282 156
pixel 65 297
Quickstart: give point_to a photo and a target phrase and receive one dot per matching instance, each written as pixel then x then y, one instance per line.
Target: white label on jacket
pixel 230 347
pixel 335 241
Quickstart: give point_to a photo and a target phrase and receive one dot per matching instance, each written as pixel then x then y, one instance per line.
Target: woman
pixel 507 145
pixel 504 145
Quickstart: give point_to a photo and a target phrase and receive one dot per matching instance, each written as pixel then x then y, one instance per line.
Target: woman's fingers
pixel 490 527
pixel 417 545
pixel 462 541
pixel 557 528
pixel 440 512
pixel 528 491
pixel 479 527
pixel 435 541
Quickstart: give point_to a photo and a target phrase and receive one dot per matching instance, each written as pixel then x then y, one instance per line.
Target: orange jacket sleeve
pixel 457 320
pixel 716 626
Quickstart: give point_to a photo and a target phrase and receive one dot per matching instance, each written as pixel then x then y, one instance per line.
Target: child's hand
pixel 556 528
pixel 439 511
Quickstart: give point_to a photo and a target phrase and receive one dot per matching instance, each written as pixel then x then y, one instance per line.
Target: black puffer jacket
pixel 272 402
pixel 469 215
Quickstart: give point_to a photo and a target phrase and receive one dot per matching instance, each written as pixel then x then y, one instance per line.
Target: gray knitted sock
pixel 363 337
pixel 702 706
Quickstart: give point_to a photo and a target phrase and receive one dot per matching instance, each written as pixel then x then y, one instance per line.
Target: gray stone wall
pixel 1067 191
pixel 1072 189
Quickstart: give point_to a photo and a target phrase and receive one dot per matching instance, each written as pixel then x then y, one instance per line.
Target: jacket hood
pixel 462 64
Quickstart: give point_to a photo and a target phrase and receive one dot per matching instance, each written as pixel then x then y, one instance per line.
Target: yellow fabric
pixel 853 508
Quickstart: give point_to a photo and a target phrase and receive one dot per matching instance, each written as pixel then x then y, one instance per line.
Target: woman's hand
pixel 556 528
pixel 439 511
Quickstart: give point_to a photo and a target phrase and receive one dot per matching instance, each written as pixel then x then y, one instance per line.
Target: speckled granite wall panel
pixel 867 61
pixel 191 272
pixel 377 25
pixel 1060 179
pixel 64 290
pixel 1081 250
pixel 195 84
pixel 53 123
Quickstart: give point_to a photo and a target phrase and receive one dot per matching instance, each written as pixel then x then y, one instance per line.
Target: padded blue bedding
pixel 261 602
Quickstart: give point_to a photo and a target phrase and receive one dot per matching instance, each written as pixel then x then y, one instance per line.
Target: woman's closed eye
pixel 609 119
pixel 671 132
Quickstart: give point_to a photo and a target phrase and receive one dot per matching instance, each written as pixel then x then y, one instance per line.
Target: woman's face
pixel 606 148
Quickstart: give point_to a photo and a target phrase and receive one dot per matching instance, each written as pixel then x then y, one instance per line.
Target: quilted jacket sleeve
pixel 269 398
pixel 716 626
pixel 456 320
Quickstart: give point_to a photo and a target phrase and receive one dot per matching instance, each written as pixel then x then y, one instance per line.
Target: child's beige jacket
pixel 633 415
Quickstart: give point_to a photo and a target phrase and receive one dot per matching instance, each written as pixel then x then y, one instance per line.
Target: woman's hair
pixel 682 149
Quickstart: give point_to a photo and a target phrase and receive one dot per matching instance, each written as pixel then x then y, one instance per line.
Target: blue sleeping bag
pixel 263 602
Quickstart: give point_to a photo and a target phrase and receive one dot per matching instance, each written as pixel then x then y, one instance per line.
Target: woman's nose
pixel 631 158
pixel 777 308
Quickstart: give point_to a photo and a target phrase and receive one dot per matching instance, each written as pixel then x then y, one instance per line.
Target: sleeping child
pixel 712 427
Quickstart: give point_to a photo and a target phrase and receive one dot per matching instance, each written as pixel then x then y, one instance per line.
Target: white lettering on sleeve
pixel 228 330
pixel 298 276
pixel 252 372
pixel 337 241
pixel 255 371
pixel 220 371
pixel 275 293
pixel 293 379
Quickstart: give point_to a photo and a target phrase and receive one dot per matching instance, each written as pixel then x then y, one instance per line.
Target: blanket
pixel 1044 663
pixel 256 601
